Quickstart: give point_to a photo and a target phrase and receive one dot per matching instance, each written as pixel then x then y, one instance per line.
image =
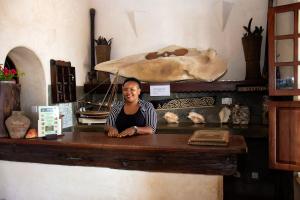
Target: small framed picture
pixel 49 122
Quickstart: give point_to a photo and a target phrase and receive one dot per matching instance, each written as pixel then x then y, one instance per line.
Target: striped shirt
pixel 147 110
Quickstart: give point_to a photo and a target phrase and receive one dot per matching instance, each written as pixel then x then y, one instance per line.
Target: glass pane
pixel 284 23
pixel 284 77
pixel 284 50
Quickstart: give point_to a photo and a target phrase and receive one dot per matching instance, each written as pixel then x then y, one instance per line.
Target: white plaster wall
pixel 24 181
pixel 190 23
pixel 52 29
pixel 32 83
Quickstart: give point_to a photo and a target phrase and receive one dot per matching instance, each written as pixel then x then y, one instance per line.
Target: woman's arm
pixel 111 131
pixel 136 131
pixel 144 130
pixel 151 118
pixel 110 127
pixel 112 116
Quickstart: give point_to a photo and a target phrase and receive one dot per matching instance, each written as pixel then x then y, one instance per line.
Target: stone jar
pixel 17 124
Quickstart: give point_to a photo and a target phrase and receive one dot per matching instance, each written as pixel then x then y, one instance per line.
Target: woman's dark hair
pixel 132 80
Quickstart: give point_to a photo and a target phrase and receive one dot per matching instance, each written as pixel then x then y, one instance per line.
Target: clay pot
pixel 103 55
pixel 252 46
pixel 17 124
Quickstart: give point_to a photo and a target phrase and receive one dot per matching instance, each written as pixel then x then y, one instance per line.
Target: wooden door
pixel 284 137
pixel 284 116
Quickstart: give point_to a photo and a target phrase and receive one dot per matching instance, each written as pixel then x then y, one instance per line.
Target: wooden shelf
pixel 63 83
pixel 196 86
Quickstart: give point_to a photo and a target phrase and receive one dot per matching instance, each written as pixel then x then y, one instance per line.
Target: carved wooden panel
pixel 284 135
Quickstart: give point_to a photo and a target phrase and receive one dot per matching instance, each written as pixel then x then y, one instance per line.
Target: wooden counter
pixel 158 153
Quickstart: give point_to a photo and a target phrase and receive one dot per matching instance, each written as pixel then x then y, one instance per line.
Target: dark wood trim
pixel 158 153
pixel 187 86
pixel 272 135
pixel 291 36
pixel 272 69
pixel 92 37
pixel 278 64
pixel 284 37
pixel 296 61
pixel 286 92
pixel 286 8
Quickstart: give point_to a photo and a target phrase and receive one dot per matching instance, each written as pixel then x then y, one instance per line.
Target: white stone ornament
pixel 224 114
pixel 240 114
pixel 171 118
pixel 196 117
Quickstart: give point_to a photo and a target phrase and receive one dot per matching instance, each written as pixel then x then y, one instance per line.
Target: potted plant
pixel 103 49
pixel 103 54
pixel 7 74
pixel 9 96
pixel 252 46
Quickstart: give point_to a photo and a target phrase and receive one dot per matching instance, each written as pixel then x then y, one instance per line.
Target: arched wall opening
pixel 33 82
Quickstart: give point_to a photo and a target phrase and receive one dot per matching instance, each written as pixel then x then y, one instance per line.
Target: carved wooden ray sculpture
pixel 193 64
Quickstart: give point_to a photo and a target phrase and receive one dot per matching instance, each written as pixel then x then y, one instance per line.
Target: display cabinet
pixel 284 116
pixel 63 81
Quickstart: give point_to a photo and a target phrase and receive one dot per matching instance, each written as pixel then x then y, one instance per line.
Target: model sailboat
pixel 90 112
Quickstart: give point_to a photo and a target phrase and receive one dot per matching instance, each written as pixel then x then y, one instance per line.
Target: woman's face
pixel 131 91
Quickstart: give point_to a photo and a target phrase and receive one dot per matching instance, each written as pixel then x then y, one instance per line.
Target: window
pixel 284 36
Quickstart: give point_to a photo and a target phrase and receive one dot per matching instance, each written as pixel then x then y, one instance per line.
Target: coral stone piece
pixel 31 133
pixel 224 114
pixel 196 117
pixel 171 118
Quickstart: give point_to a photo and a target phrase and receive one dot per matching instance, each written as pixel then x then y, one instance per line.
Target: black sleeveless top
pixel 125 121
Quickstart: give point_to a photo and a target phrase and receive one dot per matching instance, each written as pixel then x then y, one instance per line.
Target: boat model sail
pixel 96 112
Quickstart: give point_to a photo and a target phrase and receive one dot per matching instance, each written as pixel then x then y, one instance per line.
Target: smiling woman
pixel 132 116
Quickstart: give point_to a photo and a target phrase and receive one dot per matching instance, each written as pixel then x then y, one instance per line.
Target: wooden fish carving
pixel 198 65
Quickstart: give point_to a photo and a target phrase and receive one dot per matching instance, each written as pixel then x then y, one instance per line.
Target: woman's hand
pixel 112 132
pixel 127 132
